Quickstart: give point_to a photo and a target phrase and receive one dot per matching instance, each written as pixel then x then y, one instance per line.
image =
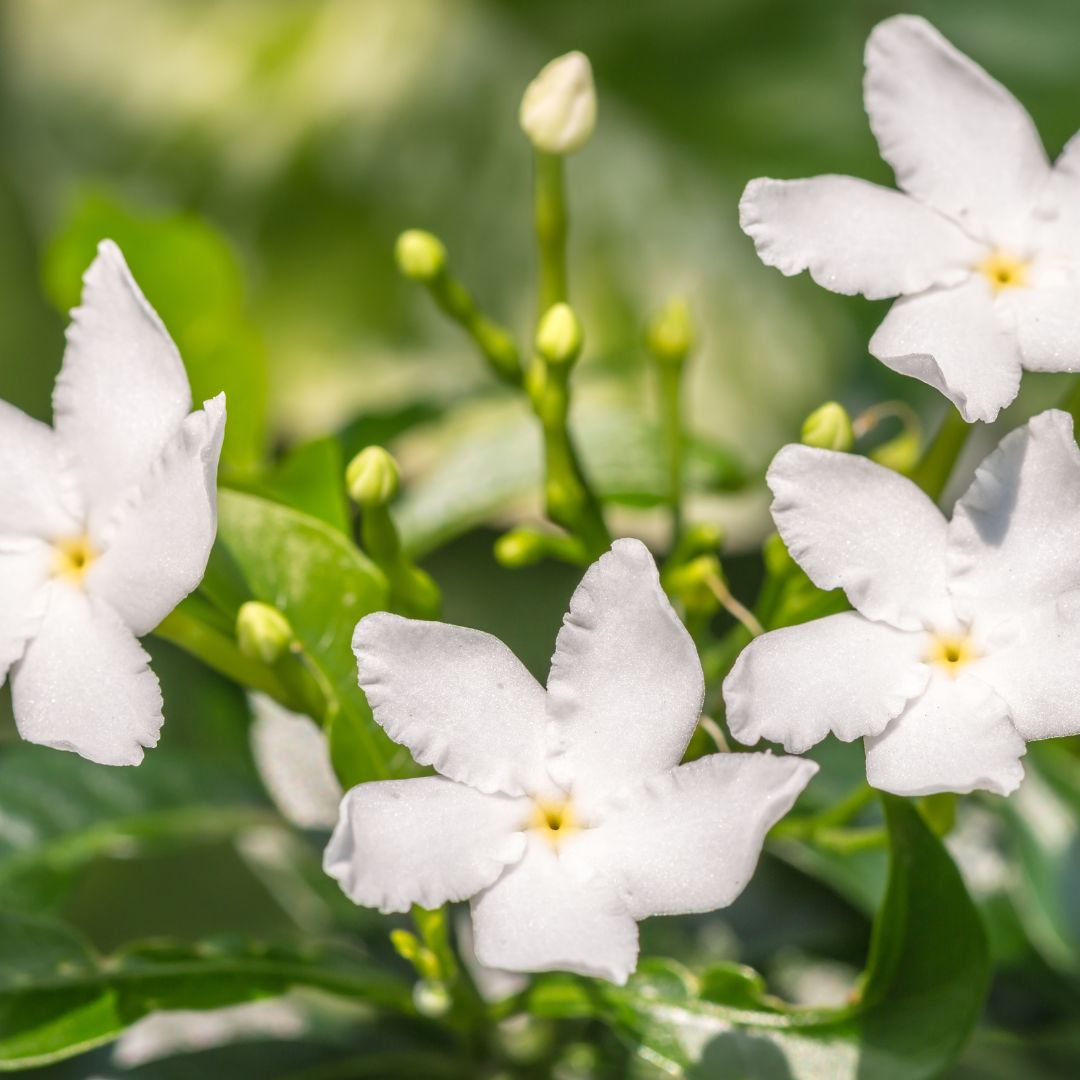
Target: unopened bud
pixel 519 547
pixel 262 632
pixel 559 337
pixel 420 255
pixel 558 110
pixel 901 454
pixel 670 335
pixel 829 428
pixel 372 477
pixel 406 945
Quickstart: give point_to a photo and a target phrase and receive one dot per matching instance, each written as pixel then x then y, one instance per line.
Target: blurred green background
pixel 287 143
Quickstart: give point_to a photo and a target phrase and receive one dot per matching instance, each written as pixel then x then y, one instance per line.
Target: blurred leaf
pixel 58 812
pixel 191 277
pixel 311 478
pixel 324 585
pixel 59 998
pixel 924 989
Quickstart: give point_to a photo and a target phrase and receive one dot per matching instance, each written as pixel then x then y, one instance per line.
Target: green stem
pixel 568 497
pixel 549 214
pixel 670 376
pixel 936 466
pixel 412 591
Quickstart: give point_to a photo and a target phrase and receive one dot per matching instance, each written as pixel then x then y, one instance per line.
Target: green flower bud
pixel 520 547
pixel 372 477
pixel 829 428
pixel 559 337
pixel 670 335
pixel 901 454
pixel 406 945
pixel 420 255
pixel 558 110
pixel 262 632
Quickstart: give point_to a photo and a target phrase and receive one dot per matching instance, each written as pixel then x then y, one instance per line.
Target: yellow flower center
pixel 72 558
pixel 554 819
pixel 1004 270
pixel 950 652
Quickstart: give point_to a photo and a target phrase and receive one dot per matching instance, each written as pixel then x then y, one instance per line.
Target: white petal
pixel 1047 321
pixel 1036 670
pixel 458 699
pixel 293 759
pixel 1059 209
pixel 24 594
pixel 156 543
pixel 841 674
pixel 122 391
pixel 626 685
pixel 853 524
pixel 688 841
pixel 955 138
pixel 494 984
pixel 83 683
pixel 35 499
pixel 952 340
pixel 541 917
pixel 955 737
pixel 854 237
pixel 1014 540
pixel 426 841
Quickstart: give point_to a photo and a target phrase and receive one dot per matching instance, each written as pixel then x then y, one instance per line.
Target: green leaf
pixel 58 997
pixel 324 585
pixel 192 278
pixel 59 812
pixel 921 998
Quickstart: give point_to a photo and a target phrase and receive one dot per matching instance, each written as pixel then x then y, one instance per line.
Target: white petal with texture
pixel 426 841
pixel 955 737
pixel 953 340
pixel 155 546
pixel 955 137
pixel 1014 540
pixel 1047 321
pixel 24 595
pixel 841 674
pixel 122 392
pixel 688 840
pixel 854 237
pixel 853 524
pixel 539 916
pixel 83 683
pixel 626 686
pixel 35 495
pixel 458 699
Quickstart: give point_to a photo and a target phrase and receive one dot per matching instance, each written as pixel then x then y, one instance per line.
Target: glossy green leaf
pixel 920 1000
pixel 324 585
pixel 58 997
pixel 59 812
pixel 192 278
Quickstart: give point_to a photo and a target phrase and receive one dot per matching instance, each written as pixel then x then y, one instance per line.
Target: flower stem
pixel 412 591
pixel 670 377
pixel 936 465
pixel 550 219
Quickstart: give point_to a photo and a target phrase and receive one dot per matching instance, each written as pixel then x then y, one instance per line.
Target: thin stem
pixel 933 471
pixel 734 608
pixel 1071 401
pixel 550 219
pixel 670 376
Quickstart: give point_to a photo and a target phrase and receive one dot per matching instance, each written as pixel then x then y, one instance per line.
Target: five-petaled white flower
pixel 564 815
pixel 965 638
pixel 106 523
pixel 983 250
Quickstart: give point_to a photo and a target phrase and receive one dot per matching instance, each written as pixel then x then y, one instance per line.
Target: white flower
pixel 558 110
pixel 564 815
pixel 106 523
pixel 965 639
pixel 983 250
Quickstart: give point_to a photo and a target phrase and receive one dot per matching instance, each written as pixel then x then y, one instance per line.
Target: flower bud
pixel 670 335
pixel 829 428
pixel 519 547
pixel 432 999
pixel 901 453
pixel 420 255
pixel 558 110
pixel 372 477
pixel 262 632
pixel 559 337
pixel 406 945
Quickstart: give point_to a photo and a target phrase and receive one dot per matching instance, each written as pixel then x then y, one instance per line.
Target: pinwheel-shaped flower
pixel 564 815
pixel 983 250
pixel 106 523
pixel 965 639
